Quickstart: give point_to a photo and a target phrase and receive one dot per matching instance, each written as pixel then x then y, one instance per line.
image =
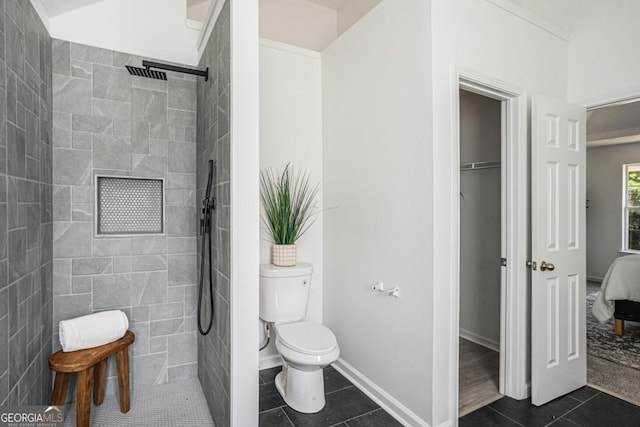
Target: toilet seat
pixel 307 337
pixel 305 348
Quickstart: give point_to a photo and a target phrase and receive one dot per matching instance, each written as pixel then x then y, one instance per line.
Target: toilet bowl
pixel 305 347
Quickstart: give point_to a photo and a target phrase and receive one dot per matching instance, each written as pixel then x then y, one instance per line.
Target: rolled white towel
pixel 92 330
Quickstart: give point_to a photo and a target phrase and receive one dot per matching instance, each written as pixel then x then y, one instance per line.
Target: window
pixel 631 208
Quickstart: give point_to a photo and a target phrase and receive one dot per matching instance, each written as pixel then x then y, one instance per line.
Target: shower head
pixel 146 72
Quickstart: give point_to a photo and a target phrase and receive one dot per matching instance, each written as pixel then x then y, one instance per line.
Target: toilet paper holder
pixel 379 287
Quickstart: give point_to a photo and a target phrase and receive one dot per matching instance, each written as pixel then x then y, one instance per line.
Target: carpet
pixel 613 362
pixel 613 378
pixel 603 342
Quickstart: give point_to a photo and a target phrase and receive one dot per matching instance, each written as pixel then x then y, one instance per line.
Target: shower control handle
pixel 544 266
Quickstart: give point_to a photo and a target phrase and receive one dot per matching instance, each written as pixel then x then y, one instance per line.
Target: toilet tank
pixel 284 292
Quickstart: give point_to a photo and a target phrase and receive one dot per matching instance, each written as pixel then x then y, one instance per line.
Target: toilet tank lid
pixel 300 269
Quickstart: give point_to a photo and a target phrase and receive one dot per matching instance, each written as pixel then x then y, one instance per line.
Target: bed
pixel 619 296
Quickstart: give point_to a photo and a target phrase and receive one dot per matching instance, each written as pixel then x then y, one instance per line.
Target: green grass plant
pixel 288 199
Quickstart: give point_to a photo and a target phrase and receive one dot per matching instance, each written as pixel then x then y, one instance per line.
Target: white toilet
pixel 304 346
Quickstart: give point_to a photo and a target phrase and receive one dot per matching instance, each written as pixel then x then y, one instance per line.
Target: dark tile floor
pixel 345 405
pixel 586 407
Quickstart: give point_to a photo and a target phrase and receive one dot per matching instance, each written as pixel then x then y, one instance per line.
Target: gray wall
pixel 107 122
pixel 213 143
pixel 480 219
pixel 604 215
pixel 25 205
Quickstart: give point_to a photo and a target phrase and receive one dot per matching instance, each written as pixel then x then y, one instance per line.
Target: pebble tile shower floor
pixel 178 404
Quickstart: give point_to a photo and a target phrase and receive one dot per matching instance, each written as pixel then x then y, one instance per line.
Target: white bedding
pixel 621 282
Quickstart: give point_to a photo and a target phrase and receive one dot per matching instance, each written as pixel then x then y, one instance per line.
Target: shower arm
pixel 177 69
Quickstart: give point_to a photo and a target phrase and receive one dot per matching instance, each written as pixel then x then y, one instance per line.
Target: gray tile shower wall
pixel 25 205
pixel 107 122
pixel 213 142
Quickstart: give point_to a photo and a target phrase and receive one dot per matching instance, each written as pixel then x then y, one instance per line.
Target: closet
pixel 480 249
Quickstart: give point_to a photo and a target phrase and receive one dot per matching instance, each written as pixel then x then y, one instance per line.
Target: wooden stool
pixel 82 362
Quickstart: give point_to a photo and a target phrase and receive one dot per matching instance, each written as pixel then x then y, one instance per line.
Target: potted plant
pixel 288 199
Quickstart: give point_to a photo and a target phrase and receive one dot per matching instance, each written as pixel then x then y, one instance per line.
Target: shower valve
pixel 208 203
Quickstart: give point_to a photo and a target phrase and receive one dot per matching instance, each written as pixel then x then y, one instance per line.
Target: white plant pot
pixel 284 255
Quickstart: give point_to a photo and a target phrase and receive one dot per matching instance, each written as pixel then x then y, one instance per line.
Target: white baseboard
pixel 396 409
pixel 270 362
pixel 595 279
pixel 478 339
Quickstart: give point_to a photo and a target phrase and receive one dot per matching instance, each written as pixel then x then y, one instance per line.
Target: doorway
pixel 514 286
pixel 528 313
pixel 613 154
pixel 481 250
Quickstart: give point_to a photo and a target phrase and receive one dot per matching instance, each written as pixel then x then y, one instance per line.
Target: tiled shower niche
pixel 127 206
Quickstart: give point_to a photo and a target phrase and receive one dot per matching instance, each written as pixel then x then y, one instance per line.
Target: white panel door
pixel 558 318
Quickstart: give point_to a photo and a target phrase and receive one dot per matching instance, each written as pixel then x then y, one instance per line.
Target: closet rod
pixel 479 165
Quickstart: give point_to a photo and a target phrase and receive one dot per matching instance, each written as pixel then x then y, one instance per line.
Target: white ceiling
pixel 331 4
pixel 559 13
pixel 196 2
pixel 60 7
pixel 197 9
pixel 556 11
pixel 618 124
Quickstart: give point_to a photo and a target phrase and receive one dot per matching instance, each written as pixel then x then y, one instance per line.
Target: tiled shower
pixel 214 356
pixel 25 206
pixel 106 122
pixel 70 113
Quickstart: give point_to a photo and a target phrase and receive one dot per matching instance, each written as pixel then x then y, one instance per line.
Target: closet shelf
pixel 479 165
